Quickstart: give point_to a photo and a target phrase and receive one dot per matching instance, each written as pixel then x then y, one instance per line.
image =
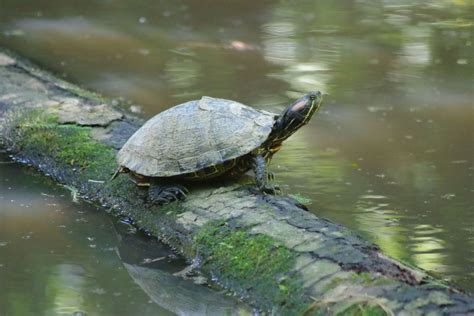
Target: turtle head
pixel 295 115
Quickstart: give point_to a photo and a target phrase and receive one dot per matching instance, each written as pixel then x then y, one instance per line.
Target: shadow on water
pixel 389 154
pixel 60 257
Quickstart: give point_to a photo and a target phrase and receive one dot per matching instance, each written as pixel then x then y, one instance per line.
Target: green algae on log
pixel 267 249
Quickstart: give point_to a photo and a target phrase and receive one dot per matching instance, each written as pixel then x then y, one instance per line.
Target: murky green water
pixel 391 152
pixel 58 257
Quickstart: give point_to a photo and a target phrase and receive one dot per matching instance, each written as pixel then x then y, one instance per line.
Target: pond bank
pixel 269 250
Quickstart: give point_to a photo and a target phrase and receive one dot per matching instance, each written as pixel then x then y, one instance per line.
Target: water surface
pixel 60 257
pixel 390 153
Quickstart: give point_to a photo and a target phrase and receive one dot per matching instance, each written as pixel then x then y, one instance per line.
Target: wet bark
pixel 269 250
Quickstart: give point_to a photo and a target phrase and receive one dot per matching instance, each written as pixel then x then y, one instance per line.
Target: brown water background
pixel 390 154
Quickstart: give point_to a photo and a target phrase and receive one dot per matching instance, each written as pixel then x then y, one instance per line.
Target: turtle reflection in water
pixel 209 138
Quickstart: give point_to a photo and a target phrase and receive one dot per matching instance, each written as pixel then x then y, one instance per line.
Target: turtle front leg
pixel 161 192
pixel 262 176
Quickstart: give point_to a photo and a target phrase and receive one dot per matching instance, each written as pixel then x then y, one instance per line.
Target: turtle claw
pixel 272 189
pixel 270 176
pixel 182 191
pixel 165 195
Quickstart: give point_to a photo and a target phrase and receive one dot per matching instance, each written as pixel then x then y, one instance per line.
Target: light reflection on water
pixel 389 154
pixel 428 248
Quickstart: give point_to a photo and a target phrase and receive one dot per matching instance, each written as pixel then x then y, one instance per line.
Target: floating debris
pixel 448 196
pixel 456 162
pixel 96 181
pixel 74 193
pixel 149 260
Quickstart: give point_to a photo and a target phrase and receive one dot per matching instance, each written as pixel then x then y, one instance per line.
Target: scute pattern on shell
pixel 195 135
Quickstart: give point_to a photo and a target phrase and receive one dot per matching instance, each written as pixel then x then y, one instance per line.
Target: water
pixel 390 154
pixel 58 257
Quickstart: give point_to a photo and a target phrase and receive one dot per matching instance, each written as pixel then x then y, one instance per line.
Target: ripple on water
pixel 376 216
pixel 428 249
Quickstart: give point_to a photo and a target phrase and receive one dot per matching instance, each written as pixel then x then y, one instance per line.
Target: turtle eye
pixel 312 97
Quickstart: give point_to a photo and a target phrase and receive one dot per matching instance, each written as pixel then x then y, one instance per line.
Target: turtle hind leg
pixel 161 192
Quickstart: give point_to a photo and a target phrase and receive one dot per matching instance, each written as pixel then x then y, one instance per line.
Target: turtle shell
pixel 195 135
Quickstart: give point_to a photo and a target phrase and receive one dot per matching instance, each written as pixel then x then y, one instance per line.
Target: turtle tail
pixel 116 173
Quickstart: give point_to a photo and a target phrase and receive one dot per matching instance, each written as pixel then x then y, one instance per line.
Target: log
pixel 268 250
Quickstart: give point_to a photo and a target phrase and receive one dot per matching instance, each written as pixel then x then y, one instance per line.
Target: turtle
pixel 206 139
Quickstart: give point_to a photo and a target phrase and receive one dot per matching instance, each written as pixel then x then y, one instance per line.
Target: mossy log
pixel 269 250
